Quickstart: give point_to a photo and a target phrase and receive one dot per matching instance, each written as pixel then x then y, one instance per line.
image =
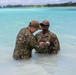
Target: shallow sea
pixel 63 24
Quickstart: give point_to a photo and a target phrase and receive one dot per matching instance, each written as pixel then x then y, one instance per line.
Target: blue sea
pixel 62 23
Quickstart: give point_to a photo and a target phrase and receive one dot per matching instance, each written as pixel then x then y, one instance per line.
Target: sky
pixel 32 2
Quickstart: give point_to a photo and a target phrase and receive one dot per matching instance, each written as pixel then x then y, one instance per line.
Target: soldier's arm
pixel 35 37
pixel 56 43
pixel 33 43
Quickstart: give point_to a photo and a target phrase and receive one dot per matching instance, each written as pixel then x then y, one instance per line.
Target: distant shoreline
pixel 39 7
pixel 68 4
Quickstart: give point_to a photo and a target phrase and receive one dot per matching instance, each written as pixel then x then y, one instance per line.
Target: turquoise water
pixel 63 24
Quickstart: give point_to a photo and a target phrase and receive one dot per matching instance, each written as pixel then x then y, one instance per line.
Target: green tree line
pixel 47 5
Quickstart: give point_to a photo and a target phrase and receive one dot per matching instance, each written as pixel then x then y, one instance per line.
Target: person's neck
pixel 29 29
pixel 45 31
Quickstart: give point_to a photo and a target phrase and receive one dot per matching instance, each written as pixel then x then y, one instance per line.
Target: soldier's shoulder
pixel 23 29
pixel 53 34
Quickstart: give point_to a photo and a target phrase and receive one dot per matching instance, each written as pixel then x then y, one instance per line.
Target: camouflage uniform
pixel 52 38
pixel 25 42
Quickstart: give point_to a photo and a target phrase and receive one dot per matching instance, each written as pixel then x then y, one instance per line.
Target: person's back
pixel 22 44
pixel 25 41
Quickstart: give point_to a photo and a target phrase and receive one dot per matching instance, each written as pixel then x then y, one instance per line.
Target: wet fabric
pixel 52 38
pixel 25 42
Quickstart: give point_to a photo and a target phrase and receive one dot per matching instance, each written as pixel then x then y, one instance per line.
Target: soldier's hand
pixel 47 43
pixel 41 43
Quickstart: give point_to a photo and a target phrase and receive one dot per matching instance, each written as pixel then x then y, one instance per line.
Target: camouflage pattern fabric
pixel 25 42
pixel 52 38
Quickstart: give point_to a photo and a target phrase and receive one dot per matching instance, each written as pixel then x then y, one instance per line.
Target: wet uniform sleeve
pixel 33 43
pixel 56 45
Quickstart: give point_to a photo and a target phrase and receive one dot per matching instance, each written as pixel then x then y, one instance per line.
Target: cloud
pixel 28 2
pixel 25 2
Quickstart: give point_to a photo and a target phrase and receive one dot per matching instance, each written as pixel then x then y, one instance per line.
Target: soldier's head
pixel 45 24
pixel 34 25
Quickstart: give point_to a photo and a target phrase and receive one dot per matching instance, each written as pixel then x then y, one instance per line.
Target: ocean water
pixel 63 24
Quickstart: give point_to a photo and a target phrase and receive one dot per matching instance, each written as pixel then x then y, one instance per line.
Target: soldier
pixel 25 41
pixel 49 39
